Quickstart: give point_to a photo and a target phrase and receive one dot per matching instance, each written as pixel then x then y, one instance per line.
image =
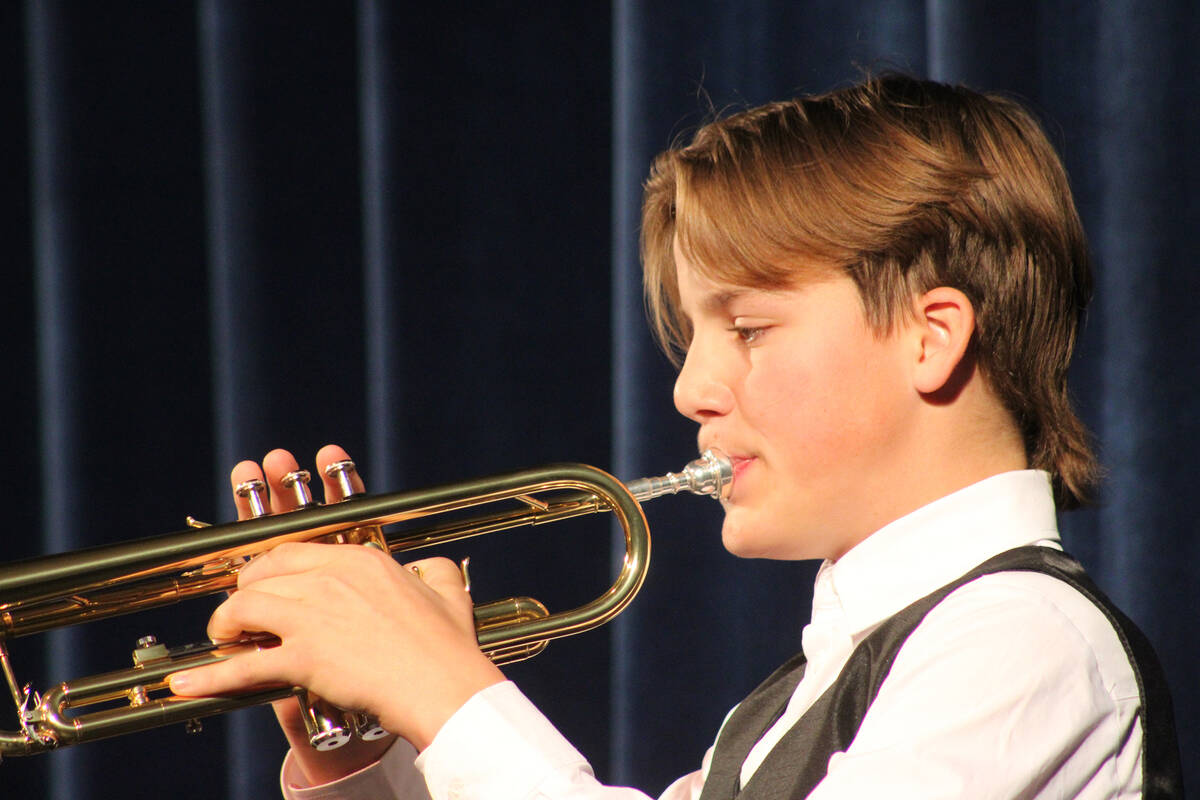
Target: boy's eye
pixel 747 334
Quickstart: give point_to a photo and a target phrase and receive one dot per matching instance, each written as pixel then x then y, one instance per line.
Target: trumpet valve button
pixel 255 492
pixel 297 483
pixel 343 473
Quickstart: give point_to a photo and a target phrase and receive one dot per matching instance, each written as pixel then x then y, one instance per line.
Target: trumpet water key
pixel 55 591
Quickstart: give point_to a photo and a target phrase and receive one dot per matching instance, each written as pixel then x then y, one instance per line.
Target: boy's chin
pixel 748 538
pixel 734 539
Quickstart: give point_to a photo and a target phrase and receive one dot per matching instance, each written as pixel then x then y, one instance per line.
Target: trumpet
pixel 56 591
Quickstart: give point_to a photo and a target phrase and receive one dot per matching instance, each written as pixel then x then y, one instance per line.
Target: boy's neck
pixel 951 446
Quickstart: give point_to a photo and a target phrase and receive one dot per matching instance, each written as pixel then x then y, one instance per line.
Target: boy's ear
pixel 944 325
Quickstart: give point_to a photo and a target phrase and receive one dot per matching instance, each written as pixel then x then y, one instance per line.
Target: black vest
pixel 800 759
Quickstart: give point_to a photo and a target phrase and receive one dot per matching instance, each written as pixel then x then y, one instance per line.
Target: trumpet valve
pixel 343 473
pixel 368 728
pixel 330 737
pixel 255 492
pixel 327 729
pixel 297 483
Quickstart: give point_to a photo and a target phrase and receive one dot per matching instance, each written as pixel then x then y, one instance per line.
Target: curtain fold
pixel 413 231
pixel 56 306
pixel 383 267
pixel 1145 211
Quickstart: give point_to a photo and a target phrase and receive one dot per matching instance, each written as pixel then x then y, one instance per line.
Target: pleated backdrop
pixel 411 229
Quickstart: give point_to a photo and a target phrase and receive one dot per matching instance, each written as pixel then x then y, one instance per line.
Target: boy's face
pixel 812 406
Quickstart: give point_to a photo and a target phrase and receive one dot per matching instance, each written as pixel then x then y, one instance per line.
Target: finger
pixel 276 464
pixel 243 473
pixel 258 668
pixel 441 575
pixel 292 558
pixel 443 578
pixel 253 611
pixel 331 454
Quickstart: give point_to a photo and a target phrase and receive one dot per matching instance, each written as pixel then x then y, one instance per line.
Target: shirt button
pixel 455 790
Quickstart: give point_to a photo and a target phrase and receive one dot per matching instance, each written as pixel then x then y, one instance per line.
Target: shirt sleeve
pixel 1005 690
pixel 500 747
pixel 393 776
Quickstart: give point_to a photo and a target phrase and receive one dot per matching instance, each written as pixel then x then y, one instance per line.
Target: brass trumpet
pixel 55 591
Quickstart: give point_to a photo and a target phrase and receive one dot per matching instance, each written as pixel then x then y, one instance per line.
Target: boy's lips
pixel 740 464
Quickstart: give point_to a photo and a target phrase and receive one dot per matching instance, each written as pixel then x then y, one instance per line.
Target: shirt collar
pixel 932 546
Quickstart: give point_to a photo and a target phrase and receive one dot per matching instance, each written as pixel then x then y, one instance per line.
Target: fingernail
pixel 179 683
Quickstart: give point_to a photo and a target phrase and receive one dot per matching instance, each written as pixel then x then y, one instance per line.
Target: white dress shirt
pixel 1014 686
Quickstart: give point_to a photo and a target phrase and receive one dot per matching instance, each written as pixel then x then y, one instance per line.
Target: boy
pixel 877 291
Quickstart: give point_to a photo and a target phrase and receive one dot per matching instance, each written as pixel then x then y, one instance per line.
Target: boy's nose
pixel 699 394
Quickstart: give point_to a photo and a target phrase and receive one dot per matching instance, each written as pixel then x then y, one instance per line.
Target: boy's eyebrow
pixel 715 303
pixel 719 301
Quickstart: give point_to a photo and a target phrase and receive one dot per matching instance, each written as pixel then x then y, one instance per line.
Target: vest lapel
pixel 753 717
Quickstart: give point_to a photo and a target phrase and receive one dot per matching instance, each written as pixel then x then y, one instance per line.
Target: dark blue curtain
pixel 230 226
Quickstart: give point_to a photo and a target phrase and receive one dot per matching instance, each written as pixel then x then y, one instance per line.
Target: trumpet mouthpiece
pixel 711 474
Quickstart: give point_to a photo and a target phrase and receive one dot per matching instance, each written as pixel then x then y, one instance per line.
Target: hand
pixel 356 628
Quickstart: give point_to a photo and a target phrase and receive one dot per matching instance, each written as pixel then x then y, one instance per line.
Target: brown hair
pixel 905 185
